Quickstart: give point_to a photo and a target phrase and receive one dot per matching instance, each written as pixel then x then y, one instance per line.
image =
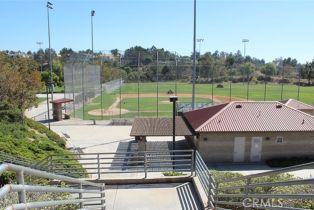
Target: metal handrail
pixel 22 188
pixel 205 177
pixel 124 162
pixel 246 188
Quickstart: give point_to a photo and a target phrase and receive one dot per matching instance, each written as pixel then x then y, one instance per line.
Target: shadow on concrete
pixel 187 196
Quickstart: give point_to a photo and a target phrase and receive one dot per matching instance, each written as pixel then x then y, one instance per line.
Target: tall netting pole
pixel 120 89
pixel 138 83
pixel 282 80
pixel 157 77
pixel 299 81
pixel 101 90
pixel 176 76
pixel 83 90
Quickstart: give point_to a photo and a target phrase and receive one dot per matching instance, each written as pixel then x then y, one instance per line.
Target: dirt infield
pixel 115 110
pixel 112 110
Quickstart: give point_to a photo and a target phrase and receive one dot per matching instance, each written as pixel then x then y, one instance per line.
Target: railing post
pixel 211 189
pixel 192 162
pixel 247 190
pixel 98 166
pixel 103 196
pixel 81 195
pixel 20 180
pixel 145 164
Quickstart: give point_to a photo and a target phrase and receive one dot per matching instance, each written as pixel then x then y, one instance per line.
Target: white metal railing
pixel 22 189
pixel 242 190
pixel 205 178
pixel 122 162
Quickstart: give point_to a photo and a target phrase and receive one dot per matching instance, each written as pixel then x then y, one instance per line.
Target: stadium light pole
pixel 49 7
pixel 194 58
pixel 41 57
pixel 244 41
pixel 92 14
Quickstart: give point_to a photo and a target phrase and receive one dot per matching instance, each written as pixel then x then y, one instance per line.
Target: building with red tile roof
pixel 299 105
pixel 251 131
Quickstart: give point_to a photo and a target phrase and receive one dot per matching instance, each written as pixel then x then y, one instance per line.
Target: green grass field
pixel 148 102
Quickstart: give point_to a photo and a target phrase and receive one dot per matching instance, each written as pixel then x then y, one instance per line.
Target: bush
pixel 220 86
pixel 9 113
pixel 44 130
pixel 173 173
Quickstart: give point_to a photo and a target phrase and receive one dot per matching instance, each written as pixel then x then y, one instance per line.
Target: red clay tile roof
pixel 253 116
pixel 61 101
pixel 159 127
pixel 297 104
pixel 197 117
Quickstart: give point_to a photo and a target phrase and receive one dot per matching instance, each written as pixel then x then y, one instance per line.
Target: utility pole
pixel 138 83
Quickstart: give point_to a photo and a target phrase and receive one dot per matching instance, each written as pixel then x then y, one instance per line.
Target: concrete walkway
pixel 175 196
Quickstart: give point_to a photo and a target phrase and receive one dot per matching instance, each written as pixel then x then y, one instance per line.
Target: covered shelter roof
pixel 159 127
pixel 61 101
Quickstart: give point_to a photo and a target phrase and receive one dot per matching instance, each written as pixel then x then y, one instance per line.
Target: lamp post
pixel 173 99
pixel 194 58
pixel 244 41
pixel 92 14
pixel 41 57
pixel 49 7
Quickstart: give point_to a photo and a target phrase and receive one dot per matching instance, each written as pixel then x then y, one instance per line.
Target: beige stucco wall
pixel 219 146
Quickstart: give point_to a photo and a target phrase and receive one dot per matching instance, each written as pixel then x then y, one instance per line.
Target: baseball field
pixel 133 100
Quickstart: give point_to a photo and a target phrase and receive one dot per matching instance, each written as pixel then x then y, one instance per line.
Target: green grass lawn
pixel 148 104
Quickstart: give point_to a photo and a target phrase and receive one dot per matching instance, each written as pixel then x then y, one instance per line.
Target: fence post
pixel 20 181
pixel 192 162
pixel 81 195
pixel 103 196
pixel 145 164
pixel 98 166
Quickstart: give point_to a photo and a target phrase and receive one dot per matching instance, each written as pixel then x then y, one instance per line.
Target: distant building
pixel 251 132
pixel 299 105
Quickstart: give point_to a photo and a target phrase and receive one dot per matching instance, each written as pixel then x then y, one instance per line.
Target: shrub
pixel 173 173
pixel 9 113
pixel 220 86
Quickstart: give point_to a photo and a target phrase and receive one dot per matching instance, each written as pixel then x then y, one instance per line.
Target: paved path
pixel 175 196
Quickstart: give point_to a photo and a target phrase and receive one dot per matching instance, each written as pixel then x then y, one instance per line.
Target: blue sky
pixel 275 28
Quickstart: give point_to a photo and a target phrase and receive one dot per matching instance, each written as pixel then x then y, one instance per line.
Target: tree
pixel 307 72
pixel 269 69
pixel 19 81
pixel 247 69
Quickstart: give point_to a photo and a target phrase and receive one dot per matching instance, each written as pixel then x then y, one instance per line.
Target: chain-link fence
pixel 124 85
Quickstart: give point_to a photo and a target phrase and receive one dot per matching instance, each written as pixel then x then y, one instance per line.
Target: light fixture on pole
pixel 92 14
pixel 244 41
pixel 194 58
pixel 41 57
pixel 49 7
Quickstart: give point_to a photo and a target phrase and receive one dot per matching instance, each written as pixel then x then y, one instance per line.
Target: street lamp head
pixel 49 5
pixel 92 13
pixel 173 98
pixel 245 40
